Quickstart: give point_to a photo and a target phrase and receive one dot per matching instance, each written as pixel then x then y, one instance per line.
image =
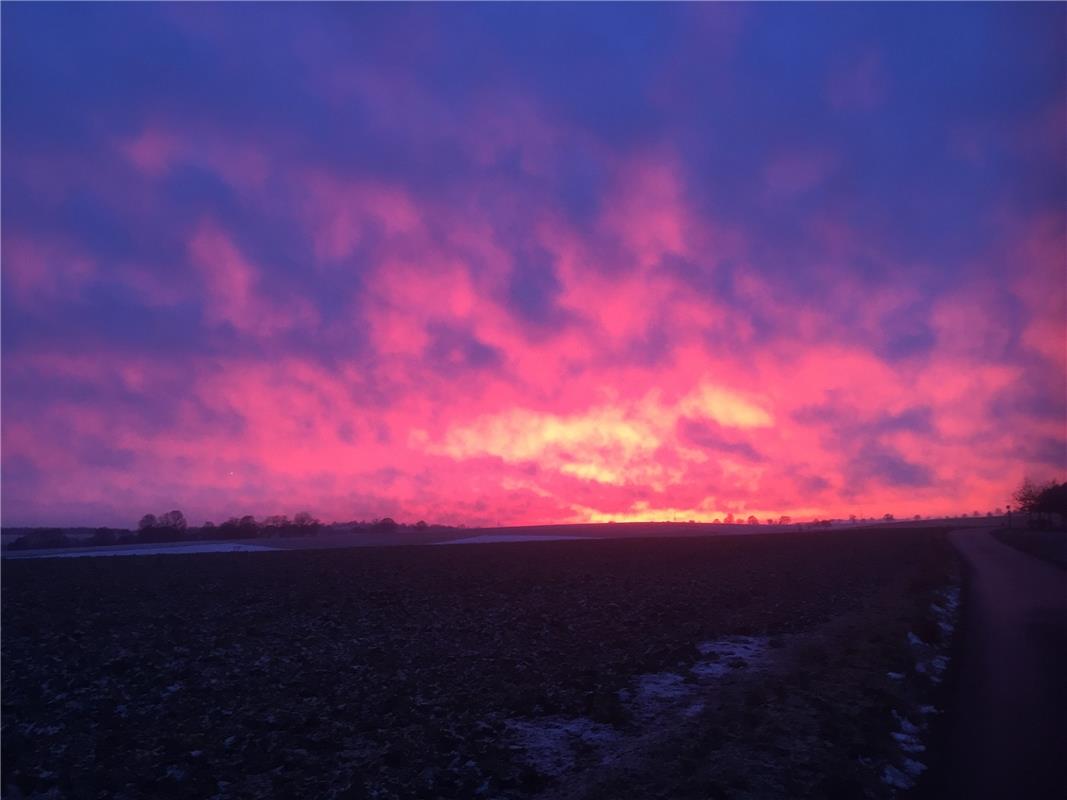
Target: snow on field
pixel 658 690
pixel 903 777
pixel 947 610
pixel 931 661
pixel 495 538
pixel 549 743
pixel 199 547
pixel 732 652
pixel 909 739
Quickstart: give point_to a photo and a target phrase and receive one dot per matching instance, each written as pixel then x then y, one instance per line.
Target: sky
pixel 511 264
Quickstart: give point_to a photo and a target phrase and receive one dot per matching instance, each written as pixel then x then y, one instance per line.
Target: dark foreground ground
pixel 555 669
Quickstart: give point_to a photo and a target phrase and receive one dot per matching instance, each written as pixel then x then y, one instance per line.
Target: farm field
pixel 758 666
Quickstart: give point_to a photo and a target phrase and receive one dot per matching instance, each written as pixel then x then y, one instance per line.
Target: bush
pixel 102 537
pixel 45 538
pixel 386 525
pixel 157 535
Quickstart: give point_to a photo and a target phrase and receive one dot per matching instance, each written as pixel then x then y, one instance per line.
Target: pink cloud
pixel 233 288
pixel 39 272
pixel 156 150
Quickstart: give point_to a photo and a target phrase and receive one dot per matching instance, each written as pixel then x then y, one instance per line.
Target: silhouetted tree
pixel 164 528
pixel 1053 498
pixel 1046 498
pixel 421 525
pixel 103 536
pixel 237 528
pixel 753 521
pixel 1026 495
pixel 304 524
pixel 42 538
pixel 304 520
pixel 1040 501
pixel 174 520
pixel 887 517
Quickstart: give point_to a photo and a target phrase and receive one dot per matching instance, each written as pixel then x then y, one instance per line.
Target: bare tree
pixel 175 520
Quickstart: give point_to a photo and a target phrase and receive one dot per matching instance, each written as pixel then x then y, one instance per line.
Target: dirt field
pixel 750 666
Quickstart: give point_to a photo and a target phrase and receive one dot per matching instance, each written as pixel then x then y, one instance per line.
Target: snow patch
pixel 694 709
pixel 904 777
pixel 905 724
pixel 549 744
pixel 730 653
pixel 909 743
pixel 895 778
pixel 204 547
pixel 914 768
pixel 659 689
pixel 496 538
pixel 947 609
pixel 931 661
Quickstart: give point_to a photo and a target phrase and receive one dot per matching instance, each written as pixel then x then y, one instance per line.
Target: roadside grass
pixel 1048 545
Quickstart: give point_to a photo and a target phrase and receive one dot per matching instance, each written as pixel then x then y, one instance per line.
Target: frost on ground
pixel 496 538
pixel 946 610
pixel 908 736
pixel 181 549
pixel 931 659
pixel 733 652
pixel 659 690
pixel 550 743
pixel 931 662
pixel 904 776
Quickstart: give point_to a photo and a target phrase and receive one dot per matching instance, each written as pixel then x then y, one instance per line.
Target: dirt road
pixel 1009 734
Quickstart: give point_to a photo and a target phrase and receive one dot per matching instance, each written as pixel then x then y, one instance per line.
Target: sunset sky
pixel 529 264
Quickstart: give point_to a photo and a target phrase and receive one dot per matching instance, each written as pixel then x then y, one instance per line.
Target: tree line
pixel 1042 502
pixel 172 526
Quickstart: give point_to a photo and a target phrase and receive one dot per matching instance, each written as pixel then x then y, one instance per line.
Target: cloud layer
pixel 516 264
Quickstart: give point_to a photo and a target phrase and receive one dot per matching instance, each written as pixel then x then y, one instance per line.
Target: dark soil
pixel 389 672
